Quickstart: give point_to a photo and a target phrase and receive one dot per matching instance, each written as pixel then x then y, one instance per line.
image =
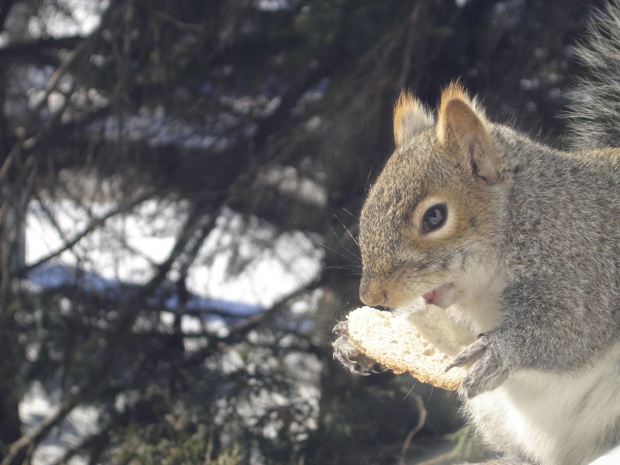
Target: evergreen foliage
pixel 244 130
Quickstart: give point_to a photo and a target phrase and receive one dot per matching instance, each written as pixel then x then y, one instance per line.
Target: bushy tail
pixel 594 111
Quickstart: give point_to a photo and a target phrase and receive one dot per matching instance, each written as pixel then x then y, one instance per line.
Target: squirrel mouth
pixel 429 297
pixel 437 296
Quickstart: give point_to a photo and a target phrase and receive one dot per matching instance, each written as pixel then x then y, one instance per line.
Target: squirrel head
pixel 431 208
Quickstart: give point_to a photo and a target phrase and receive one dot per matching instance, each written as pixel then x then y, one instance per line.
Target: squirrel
pixel 521 243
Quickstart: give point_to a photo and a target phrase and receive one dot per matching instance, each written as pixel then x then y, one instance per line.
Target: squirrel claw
pixel 347 354
pixel 487 372
pixel 340 328
pixel 471 353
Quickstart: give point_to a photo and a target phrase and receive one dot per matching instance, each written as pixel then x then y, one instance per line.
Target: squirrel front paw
pixel 347 354
pixel 488 370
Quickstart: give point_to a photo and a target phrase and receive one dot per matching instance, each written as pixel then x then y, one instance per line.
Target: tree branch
pixel 41 431
pixel 23 51
pixel 5 7
pixel 95 223
pixel 241 329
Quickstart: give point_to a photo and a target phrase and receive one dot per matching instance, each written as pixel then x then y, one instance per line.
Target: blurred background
pixel 180 184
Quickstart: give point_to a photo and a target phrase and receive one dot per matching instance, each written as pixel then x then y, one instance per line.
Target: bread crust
pixel 419 342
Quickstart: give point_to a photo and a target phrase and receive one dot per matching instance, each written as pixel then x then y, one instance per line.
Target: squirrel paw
pixel 487 371
pixel 347 354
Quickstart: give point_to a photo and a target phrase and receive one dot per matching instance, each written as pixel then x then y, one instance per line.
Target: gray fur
pixel 594 116
pixel 562 248
pixel 535 257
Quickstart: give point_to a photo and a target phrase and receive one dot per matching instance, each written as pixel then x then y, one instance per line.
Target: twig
pixel 421 420
pixel 412 28
pixel 41 431
pixel 238 331
pixel 70 243
pixel 87 443
pixel 439 459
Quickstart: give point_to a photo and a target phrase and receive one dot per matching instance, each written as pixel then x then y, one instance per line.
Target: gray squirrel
pixel 522 242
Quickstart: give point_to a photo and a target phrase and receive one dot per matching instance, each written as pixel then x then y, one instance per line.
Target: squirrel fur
pixel 521 243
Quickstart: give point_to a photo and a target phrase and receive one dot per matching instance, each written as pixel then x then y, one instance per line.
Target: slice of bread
pixel 420 342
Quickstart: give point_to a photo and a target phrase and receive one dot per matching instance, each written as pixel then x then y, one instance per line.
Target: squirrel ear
pixel 410 117
pixel 462 127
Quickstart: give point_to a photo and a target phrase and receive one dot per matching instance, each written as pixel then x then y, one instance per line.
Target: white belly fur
pixel 553 419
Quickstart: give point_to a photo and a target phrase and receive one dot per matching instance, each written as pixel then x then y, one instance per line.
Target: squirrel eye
pixel 434 217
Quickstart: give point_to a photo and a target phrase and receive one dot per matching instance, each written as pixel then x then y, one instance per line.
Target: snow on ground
pixel 130 244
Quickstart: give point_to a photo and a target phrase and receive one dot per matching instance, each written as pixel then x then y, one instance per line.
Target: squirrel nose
pixel 371 295
pixel 373 300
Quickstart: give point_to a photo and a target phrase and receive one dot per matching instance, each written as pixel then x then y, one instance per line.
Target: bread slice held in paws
pixel 420 342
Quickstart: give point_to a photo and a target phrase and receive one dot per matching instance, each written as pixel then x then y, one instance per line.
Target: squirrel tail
pixel 594 111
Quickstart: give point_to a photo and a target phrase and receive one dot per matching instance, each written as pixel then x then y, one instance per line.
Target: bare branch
pixel 95 223
pixel 421 421
pixel 24 51
pixel 241 329
pixel 5 7
pixel 41 431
